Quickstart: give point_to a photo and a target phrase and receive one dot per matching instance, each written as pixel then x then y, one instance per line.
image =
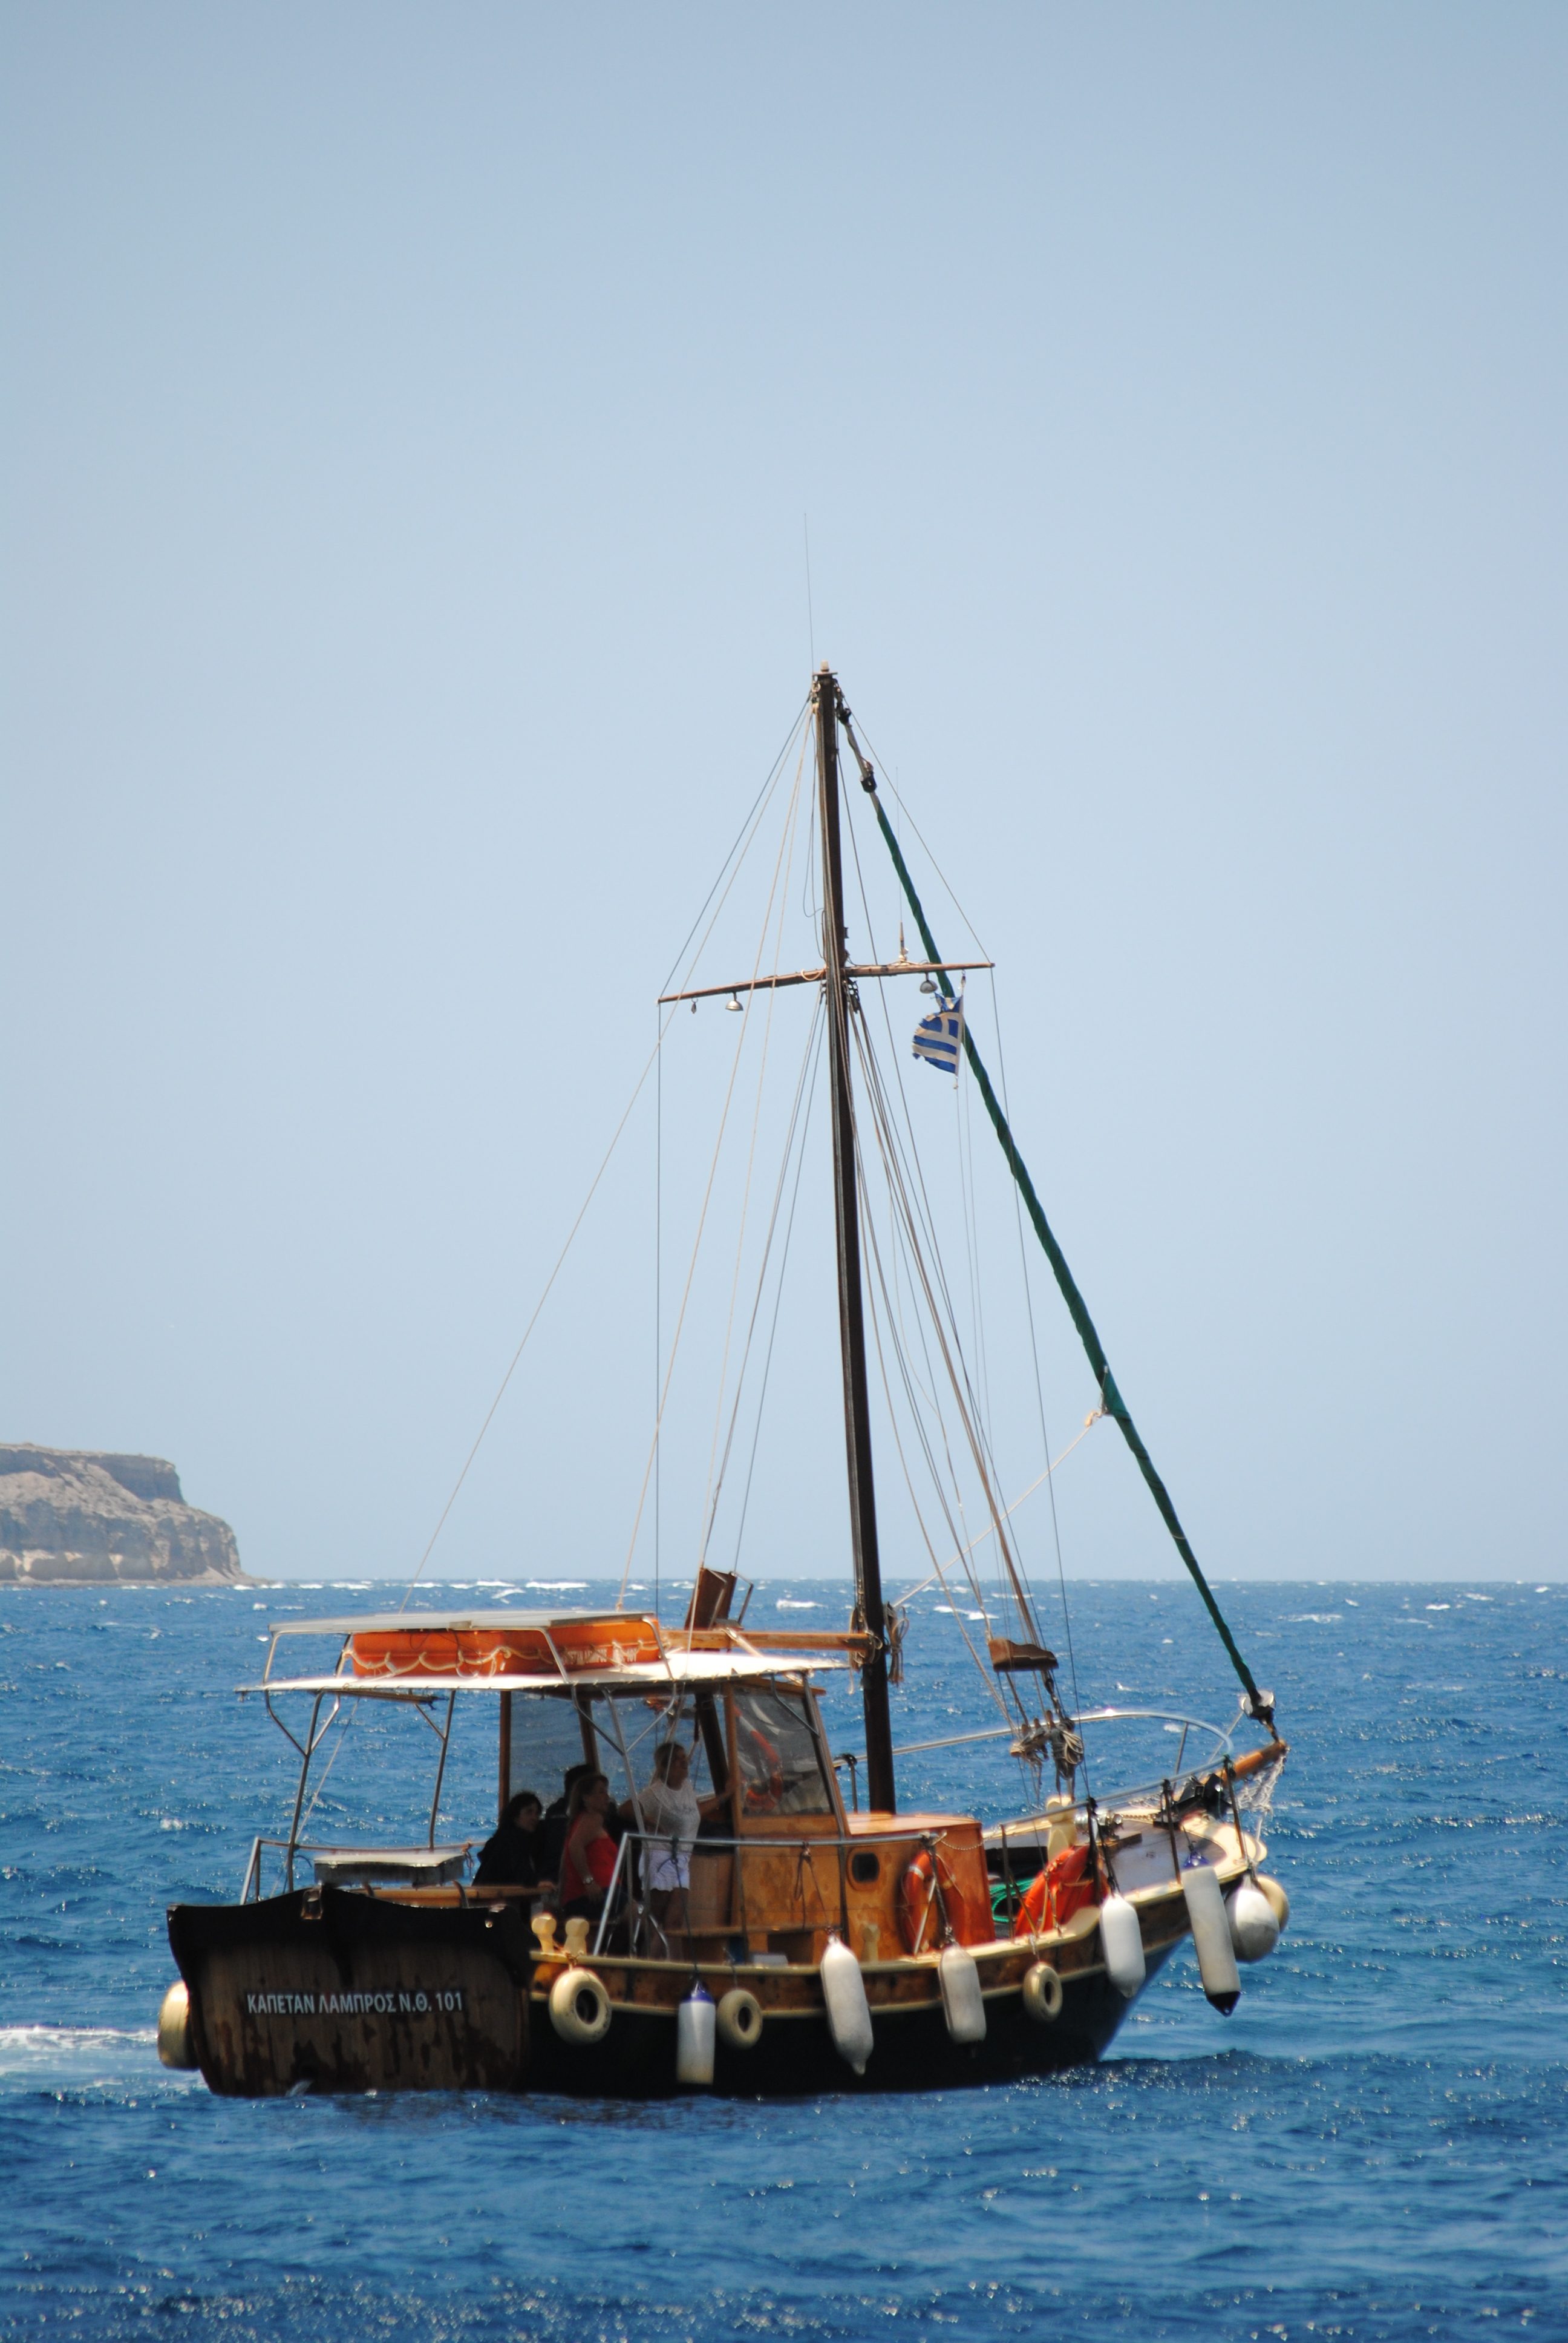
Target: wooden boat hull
pixel 329 1990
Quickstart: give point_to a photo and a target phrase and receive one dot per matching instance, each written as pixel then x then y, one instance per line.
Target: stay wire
pixel 719 1479
pixel 896 1164
pixel 820 1028
pixel 533 1322
pixel 885 780
pixel 741 847
pixel 702 1225
pixel 1018 1575
pixel 758 808
pixel 879 1284
pixel 985 1467
pixel 1022 1497
pixel 1034 1350
pixel 956 1374
pixel 779 891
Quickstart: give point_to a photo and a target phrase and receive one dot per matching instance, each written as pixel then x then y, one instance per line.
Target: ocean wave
pixel 74 2054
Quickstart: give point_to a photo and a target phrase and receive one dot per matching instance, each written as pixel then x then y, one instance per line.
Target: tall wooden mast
pixel 852 1316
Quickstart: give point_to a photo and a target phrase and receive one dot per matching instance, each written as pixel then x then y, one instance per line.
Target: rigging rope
pixel 533 1322
pixel 910 1593
pixel 951 1354
pixel 707 1201
pixel 718 1478
pixel 1034 1353
pixel 741 849
pixel 781 888
pixel 1077 1310
pixel 899 1162
pixel 814 1046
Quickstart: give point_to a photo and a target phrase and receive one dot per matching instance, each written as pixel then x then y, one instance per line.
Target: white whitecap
pixel 79 2054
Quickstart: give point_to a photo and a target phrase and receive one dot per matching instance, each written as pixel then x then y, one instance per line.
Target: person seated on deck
pixel 510 1856
pixel 672 1814
pixel 558 1821
pixel 587 1861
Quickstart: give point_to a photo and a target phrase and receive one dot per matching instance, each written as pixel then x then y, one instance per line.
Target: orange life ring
pixel 918 1912
pixel 921 1908
pixel 758 1800
pixel 1056 1893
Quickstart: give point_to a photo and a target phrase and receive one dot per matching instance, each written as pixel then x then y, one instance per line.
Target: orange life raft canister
pixel 1055 1894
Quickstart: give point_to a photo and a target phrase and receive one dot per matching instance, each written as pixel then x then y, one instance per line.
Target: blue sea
pixel 1374 2146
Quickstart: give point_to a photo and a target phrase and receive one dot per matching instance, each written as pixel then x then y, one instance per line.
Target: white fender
pixel 1278 1902
pixel 1254 1931
pixel 1042 1993
pixel 580 2006
pixel 1210 1926
pixel 1122 1941
pixel 694 2023
pixel 174 2026
pixel 849 2013
pixel 740 2018
pixel 963 2005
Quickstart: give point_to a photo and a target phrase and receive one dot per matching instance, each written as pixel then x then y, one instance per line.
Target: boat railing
pixel 627 1898
pixel 1220 1744
pixel 401 1865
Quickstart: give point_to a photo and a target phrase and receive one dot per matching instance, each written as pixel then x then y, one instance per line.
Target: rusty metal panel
pixel 333 1991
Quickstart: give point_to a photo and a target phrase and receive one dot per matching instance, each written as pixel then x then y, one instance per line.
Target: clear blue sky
pixel 411 414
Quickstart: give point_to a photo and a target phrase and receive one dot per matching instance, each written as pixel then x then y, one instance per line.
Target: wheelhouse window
pixel 779 1753
pixel 637 1727
pixel 548 1737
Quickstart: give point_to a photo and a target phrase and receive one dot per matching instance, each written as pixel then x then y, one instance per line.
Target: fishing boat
pixel 783 1932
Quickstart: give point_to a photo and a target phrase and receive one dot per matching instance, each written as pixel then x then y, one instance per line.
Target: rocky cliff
pixel 73 1517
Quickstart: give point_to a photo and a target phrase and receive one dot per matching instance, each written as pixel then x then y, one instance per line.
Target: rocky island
pixel 79 1517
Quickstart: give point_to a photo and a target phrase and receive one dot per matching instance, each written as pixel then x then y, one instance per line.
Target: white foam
pixel 77 2054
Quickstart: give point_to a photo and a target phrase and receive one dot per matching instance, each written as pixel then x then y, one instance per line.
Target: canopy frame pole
pixel 441 1764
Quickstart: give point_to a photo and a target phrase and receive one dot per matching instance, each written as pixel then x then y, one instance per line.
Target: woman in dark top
pixel 509 1858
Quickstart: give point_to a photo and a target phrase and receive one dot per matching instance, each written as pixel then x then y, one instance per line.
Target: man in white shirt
pixel 671 1814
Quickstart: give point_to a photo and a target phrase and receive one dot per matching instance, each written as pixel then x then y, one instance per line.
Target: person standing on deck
pixel 672 1814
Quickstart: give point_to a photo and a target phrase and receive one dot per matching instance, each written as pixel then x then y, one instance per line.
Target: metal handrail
pixel 840 1844
pixel 286 1848
pixel 1223 1742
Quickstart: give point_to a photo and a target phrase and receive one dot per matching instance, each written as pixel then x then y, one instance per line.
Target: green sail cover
pixel 1110 1397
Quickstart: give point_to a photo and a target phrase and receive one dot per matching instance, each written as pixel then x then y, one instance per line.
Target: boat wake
pixel 34 2054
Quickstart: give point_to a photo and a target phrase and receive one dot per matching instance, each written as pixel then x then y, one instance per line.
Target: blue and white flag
pixel 939 1038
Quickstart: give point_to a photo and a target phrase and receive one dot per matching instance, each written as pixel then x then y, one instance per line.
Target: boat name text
pixel 414 2003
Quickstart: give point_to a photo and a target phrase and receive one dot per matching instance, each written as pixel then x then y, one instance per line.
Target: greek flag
pixel 940 1037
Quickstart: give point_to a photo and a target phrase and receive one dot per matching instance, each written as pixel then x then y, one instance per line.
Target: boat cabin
pixel 779 1862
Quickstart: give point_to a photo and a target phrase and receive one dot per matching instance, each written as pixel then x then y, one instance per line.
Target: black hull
pixel 795 2057
pixel 332 1991
pixel 327 1990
